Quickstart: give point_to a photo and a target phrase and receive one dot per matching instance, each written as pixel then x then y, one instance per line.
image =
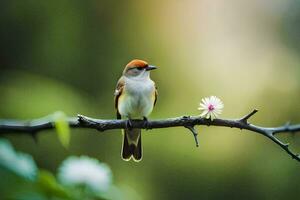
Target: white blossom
pixel 20 163
pixel 211 107
pixel 85 171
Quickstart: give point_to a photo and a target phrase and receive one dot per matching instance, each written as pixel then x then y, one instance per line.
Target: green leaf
pixel 28 195
pixel 62 128
pixel 50 187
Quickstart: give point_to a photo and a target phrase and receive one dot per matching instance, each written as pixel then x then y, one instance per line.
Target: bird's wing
pixel 155 95
pixel 117 94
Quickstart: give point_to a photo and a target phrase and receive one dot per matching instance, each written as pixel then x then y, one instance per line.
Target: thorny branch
pixel 34 126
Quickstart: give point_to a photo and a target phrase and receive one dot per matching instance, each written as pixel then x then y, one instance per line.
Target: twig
pixel 34 126
pixel 246 117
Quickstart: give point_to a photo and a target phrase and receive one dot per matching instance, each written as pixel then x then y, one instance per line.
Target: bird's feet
pixel 146 123
pixel 129 124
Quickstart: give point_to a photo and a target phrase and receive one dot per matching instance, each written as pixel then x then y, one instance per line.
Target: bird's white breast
pixel 138 98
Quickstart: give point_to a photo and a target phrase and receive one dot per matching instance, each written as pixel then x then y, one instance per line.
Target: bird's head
pixel 138 69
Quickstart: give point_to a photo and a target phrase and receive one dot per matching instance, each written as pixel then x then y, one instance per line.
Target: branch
pixel 35 126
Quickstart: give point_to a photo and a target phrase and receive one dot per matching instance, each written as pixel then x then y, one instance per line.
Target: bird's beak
pixel 150 67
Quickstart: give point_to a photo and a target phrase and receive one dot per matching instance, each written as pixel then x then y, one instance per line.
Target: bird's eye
pixel 140 68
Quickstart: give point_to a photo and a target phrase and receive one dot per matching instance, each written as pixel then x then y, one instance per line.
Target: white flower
pixel 211 107
pixel 85 171
pixel 20 163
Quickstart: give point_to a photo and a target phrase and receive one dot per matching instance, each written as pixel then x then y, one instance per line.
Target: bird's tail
pixel 132 145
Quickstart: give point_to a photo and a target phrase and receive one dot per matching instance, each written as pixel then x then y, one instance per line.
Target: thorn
pixel 81 118
pixel 246 117
pixel 286 145
pixel 100 129
pixel 195 134
pixel 185 118
pixel 34 137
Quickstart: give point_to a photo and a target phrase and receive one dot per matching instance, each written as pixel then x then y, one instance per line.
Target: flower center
pixel 211 107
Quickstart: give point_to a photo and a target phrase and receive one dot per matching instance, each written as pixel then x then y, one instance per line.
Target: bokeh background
pixel 68 55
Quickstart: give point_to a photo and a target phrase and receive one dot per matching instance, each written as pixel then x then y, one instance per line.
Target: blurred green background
pixel 68 55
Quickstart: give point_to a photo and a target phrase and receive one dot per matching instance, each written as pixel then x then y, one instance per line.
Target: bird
pixel 135 96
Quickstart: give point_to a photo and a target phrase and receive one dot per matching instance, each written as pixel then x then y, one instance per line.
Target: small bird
pixel 135 97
